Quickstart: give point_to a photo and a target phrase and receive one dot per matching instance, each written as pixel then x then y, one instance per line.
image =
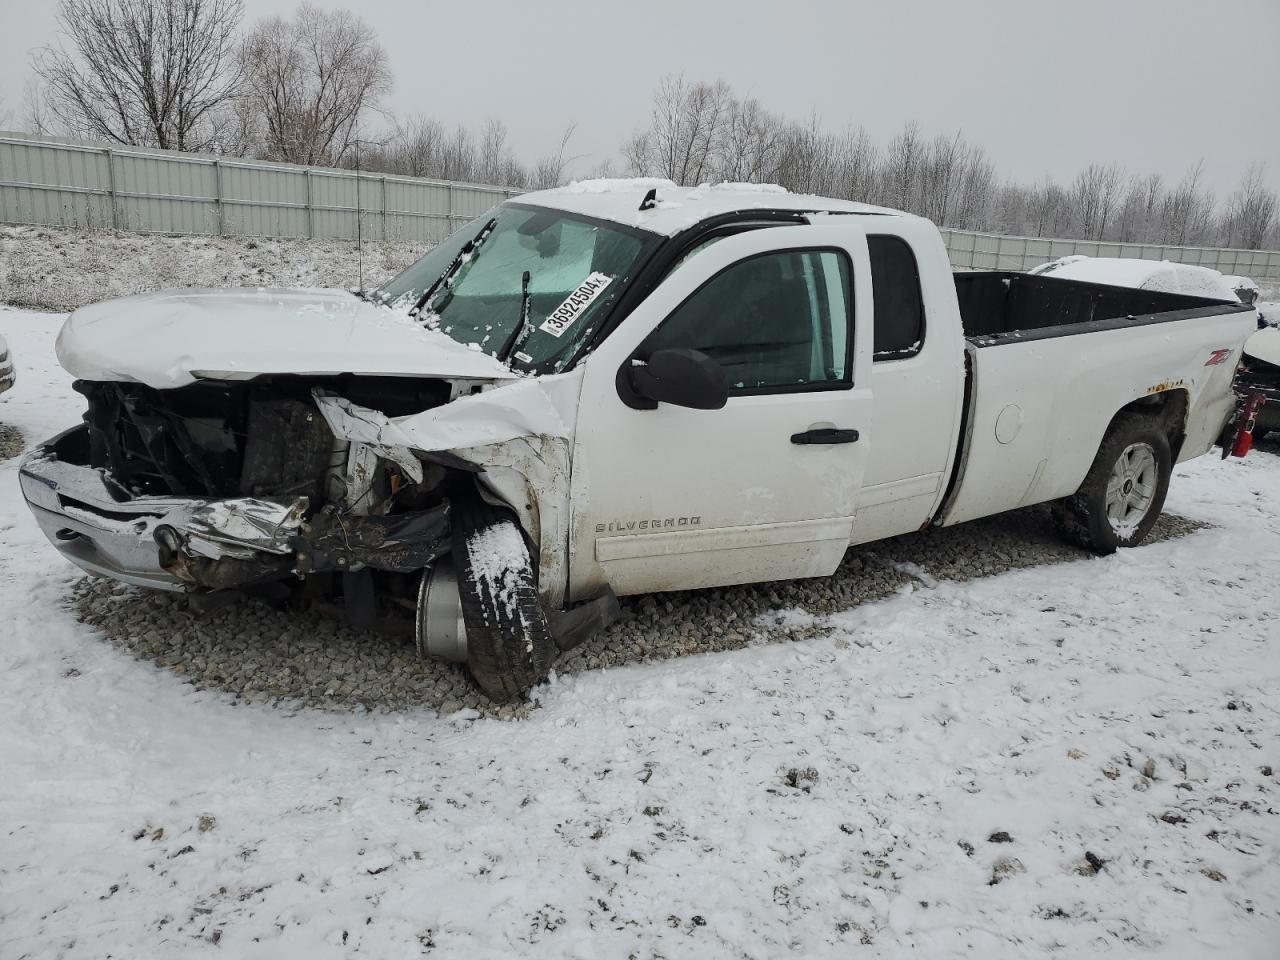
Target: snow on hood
pixel 173 338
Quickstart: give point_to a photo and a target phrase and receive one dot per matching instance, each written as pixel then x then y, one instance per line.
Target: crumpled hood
pixel 173 338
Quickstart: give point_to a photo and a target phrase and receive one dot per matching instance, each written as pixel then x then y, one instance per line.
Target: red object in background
pixel 1243 442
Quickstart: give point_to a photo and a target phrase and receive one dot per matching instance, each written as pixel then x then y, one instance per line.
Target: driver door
pixel 765 488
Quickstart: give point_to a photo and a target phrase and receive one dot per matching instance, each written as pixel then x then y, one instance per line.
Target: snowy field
pixel 1079 760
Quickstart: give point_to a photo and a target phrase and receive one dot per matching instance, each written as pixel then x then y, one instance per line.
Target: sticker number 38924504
pixel 561 318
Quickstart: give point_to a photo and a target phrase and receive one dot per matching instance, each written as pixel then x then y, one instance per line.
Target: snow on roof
pixel 678 208
pixel 1163 275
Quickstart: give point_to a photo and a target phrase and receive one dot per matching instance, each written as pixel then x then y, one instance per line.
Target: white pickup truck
pixel 615 388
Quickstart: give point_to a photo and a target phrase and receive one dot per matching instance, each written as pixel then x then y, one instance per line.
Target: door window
pixel 775 322
pixel 899 308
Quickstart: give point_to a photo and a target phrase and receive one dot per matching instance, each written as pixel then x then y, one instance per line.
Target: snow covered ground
pixel 50 268
pixel 1078 760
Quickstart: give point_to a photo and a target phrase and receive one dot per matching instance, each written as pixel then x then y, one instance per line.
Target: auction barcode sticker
pixel 561 318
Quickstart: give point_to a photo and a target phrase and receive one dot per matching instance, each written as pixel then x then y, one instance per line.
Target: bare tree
pixel 901 171
pixel 1251 210
pixel 751 144
pixel 1047 209
pixel 549 171
pixel 1187 210
pixel 142 72
pixel 1092 197
pixel 312 80
pixel 684 131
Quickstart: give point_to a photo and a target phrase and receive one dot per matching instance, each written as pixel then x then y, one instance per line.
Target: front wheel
pixel 510 647
pixel 1123 493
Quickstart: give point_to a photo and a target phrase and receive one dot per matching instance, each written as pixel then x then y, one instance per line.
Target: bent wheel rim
pixel 1131 490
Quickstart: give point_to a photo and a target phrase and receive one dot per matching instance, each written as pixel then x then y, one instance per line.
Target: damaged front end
pixel 253 485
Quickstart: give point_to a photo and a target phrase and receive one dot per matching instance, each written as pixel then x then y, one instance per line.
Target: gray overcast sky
pixel 1046 88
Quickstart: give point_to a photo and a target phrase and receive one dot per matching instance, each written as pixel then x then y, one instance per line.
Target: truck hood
pixel 173 338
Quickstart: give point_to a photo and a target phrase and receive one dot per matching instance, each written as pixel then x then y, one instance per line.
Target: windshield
pixel 576 269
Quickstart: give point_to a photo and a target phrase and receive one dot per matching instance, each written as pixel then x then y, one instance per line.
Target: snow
pixel 7 368
pixel 499 557
pixel 1265 344
pixel 50 268
pixel 1238 283
pixel 173 338
pixel 681 207
pixel 781 799
pixel 619 185
pixel 1162 275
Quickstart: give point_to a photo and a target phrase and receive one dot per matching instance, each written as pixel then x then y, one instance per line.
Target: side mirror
pixel 685 378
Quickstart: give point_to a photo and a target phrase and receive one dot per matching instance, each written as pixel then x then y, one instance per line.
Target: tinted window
pixel 895 284
pixel 776 321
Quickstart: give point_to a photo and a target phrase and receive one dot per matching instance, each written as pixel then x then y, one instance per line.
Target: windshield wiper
pixel 465 255
pixel 521 330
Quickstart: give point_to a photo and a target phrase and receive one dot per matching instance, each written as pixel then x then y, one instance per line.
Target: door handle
pixel 825 435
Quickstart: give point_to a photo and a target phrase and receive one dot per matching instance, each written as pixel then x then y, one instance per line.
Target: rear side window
pixel 899 307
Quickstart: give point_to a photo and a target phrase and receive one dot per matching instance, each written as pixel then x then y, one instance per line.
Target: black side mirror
pixel 686 378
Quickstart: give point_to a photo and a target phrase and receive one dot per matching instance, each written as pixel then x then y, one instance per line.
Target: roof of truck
pixel 678 208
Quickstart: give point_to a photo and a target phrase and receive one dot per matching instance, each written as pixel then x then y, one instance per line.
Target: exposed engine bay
pixel 359 522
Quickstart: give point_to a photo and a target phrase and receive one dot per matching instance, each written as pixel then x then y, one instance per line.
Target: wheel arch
pixel 1168 407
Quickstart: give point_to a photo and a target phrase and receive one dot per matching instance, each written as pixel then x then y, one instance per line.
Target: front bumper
pixel 108 532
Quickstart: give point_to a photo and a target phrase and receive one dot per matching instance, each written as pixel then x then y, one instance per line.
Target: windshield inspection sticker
pixel 561 318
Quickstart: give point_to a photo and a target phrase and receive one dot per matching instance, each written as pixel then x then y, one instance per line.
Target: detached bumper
pixel 108 532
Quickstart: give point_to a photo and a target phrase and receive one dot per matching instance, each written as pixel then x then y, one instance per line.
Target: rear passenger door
pixel 764 488
pixel 917 375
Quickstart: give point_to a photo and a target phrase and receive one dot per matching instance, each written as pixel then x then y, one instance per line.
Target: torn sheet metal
pixel 520 433
pixel 240 527
pixel 525 408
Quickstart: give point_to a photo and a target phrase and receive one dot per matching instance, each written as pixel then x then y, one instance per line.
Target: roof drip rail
pixel 650 199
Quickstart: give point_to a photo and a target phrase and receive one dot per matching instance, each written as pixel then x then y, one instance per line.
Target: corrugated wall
pixel 68 183
pixel 49 180
pixel 990 251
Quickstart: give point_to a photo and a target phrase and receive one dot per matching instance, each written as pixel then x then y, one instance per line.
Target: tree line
pixel 311 88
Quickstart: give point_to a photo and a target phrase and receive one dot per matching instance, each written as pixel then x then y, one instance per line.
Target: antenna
pixel 359 221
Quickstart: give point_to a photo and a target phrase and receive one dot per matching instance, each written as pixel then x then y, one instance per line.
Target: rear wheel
pixel 509 645
pixel 1123 493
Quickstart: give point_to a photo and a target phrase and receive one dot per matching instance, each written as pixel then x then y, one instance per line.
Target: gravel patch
pixel 12 442
pixel 257 653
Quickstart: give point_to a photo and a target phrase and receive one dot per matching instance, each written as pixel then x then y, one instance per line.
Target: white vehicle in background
pixel 609 389
pixel 7 373
pixel 1161 275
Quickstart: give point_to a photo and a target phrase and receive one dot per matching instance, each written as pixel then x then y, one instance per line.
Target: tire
pixel 510 648
pixel 1123 493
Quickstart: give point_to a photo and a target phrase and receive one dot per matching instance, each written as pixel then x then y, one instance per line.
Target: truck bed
pixel 1050 361
pixel 997 307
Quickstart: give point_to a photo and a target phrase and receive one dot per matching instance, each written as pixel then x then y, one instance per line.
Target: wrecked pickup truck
pixel 608 389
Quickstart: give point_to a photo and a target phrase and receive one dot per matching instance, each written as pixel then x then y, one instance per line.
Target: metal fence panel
pixel 71 183
pixel 975 250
